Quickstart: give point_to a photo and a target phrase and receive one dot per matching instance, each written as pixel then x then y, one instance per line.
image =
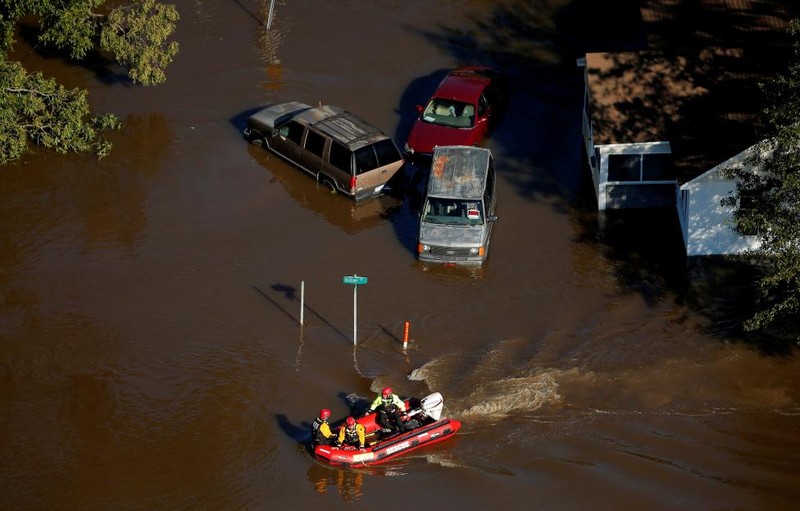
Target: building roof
pixel 695 84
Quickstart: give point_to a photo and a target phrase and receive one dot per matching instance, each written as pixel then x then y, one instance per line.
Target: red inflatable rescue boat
pixel 422 415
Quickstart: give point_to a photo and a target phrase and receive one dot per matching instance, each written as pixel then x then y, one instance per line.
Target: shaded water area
pixel 150 349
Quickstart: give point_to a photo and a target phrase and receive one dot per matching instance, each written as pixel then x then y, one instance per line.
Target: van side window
pixel 365 160
pixel 315 143
pixel 340 157
pixel 293 131
pixel 488 194
pixel 387 152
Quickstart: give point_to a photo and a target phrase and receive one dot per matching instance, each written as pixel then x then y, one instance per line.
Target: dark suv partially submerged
pixel 337 147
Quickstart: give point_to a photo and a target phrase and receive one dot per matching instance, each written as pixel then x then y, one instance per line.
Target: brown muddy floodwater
pixel 150 352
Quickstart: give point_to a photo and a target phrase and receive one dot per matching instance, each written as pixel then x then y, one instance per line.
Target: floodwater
pixel 151 355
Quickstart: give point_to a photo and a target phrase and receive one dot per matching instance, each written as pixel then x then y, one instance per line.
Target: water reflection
pixel 270 39
pixel 50 201
pixel 453 273
pixel 113 204
pixel 348 483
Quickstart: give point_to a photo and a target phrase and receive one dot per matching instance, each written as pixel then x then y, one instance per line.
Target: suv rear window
pixel 365 159
pixel 387 152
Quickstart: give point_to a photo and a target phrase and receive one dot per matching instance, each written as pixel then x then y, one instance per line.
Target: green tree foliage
pixel 39 110
pixel 138 37
pixel 42 111
pixel 767 202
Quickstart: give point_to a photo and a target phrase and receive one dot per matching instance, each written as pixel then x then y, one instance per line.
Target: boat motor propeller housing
pixel 432 405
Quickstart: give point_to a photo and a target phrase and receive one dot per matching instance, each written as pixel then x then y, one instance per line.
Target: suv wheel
pixel 329 183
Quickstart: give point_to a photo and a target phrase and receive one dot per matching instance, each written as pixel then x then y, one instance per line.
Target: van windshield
pixel 453 211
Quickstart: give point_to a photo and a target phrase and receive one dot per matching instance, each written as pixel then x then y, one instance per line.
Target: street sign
pixel 354 280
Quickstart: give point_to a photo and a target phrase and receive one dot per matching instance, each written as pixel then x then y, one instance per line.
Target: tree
pixel 767 203
pixel 35 109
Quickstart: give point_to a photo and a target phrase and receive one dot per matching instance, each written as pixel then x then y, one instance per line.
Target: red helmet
pixel 386 392
pixel 324 414
pixel 351 421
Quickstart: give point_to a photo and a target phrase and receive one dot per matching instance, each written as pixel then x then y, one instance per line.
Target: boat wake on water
pixel 513 395
pixel 495 389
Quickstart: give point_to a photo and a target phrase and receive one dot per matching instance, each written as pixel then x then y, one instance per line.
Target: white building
pixel 626 175
pixel 706 225
pixel 638 175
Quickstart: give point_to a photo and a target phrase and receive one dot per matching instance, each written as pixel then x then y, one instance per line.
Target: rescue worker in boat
pixel 352 433
pixel 390 410
pixel 321 430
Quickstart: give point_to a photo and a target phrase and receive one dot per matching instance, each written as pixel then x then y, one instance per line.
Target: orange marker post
pixel 405 335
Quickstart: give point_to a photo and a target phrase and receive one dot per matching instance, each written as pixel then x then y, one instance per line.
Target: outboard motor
pixel 432 405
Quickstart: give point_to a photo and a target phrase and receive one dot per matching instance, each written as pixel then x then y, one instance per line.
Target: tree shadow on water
pixel 723 289
pixel 645 249
pixel 646 252
pixel 416 93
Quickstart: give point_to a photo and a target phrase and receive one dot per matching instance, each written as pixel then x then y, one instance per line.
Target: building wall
pixel 706 224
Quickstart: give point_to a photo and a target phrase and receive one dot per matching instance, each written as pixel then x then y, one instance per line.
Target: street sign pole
pixel 302 300
pixel 355 313
pixel 355 281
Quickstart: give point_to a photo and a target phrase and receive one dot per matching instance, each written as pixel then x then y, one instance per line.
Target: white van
pixel 458 209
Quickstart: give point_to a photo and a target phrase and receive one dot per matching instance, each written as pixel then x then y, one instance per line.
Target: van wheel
pixel 257 141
